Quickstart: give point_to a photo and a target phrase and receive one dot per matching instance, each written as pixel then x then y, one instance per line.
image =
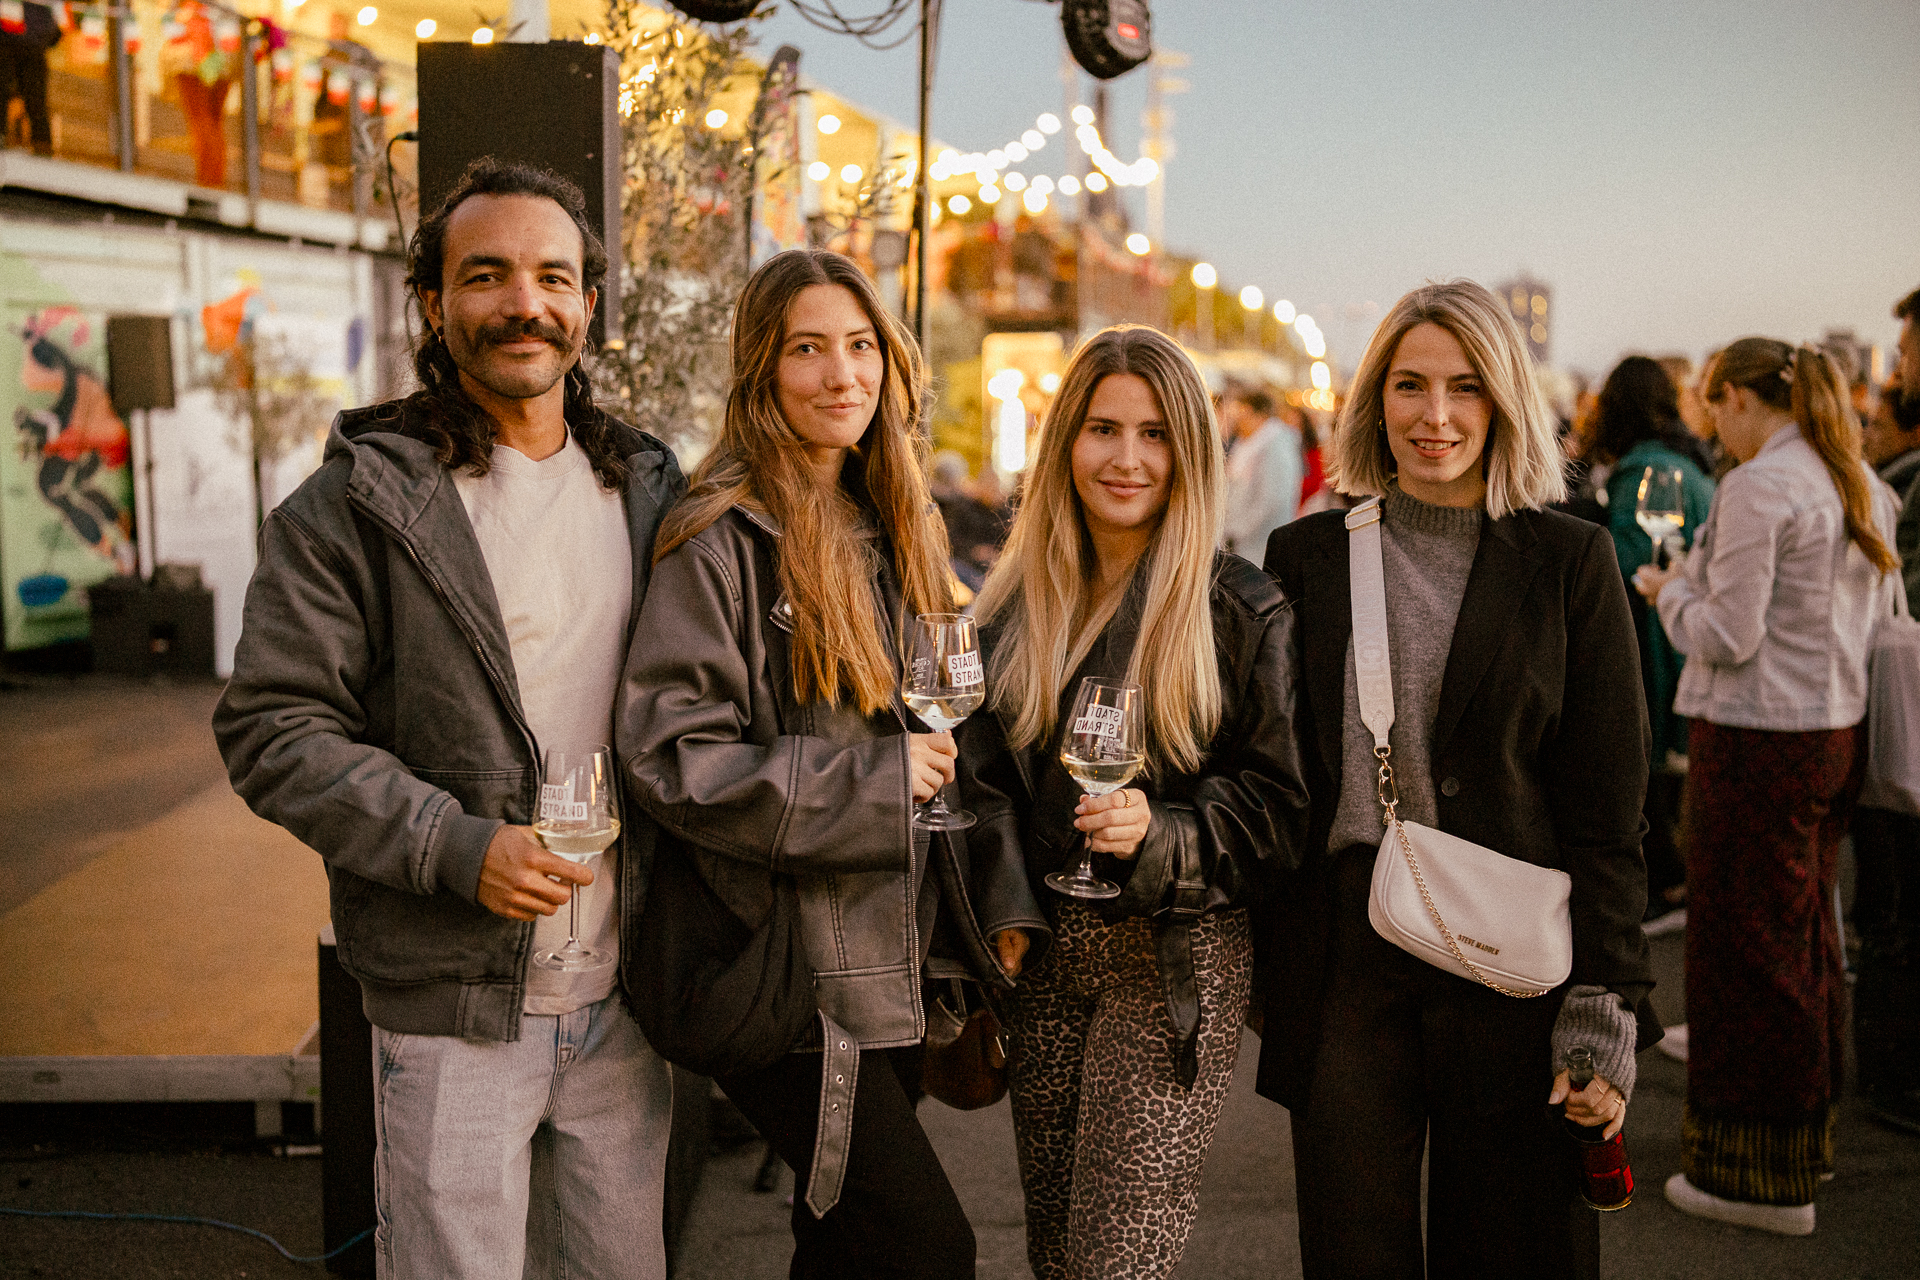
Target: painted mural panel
pixel 66 490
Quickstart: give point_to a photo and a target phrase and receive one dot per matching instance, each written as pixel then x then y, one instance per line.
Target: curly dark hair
pixel 461 431
pixel 1638 402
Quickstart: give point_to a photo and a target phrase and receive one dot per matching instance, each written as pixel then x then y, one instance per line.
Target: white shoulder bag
pixel 1893 710
pixel 1434 895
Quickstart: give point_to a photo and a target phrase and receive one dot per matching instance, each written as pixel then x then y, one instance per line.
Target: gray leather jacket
pixel 374 713
pixel 718 751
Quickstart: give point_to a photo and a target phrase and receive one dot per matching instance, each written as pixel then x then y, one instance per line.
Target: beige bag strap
pixel 1373 677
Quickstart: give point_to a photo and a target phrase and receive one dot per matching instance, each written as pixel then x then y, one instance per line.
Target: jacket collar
pixel 1503 568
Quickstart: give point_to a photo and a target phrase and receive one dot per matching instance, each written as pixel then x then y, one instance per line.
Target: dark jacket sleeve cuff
pixel 459 850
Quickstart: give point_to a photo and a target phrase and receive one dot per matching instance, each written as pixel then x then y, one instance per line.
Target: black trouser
pixel 23 69
pixel 897 1214
pixel 1886 911
pixel 1412 1059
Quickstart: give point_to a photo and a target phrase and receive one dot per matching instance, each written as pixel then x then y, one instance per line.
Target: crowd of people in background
pixel 1220 667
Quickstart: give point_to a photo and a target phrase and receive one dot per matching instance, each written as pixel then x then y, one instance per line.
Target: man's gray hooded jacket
pixel 374 713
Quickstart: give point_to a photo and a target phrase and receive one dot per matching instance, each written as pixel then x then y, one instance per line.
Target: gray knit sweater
pixel 1427 553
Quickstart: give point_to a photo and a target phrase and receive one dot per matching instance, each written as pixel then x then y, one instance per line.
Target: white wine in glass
pixel 1104 747
pixel 944 685
pixel 1660 510
pixel 577 820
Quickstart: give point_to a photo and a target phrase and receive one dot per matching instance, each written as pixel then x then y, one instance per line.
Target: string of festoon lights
pixel 998 176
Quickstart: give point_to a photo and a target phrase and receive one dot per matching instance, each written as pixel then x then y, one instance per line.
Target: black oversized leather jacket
pixel 1218 833
pixel 718 752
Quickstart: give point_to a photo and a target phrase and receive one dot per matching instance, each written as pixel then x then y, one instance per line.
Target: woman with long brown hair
pixel 1125 1033
pixel 1774 609
pixel 762 730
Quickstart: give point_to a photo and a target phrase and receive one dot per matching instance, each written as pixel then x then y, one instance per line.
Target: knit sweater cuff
pixel 1600 1020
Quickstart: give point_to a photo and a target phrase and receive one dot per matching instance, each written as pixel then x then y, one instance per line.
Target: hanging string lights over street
pixel 995 169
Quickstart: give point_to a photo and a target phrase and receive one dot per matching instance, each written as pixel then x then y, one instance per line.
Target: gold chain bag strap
pixel 1513 914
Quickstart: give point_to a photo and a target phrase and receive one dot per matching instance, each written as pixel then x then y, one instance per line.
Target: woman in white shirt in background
pixel 1774 610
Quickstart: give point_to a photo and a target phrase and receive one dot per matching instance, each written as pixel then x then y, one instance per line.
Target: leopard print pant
pixel 1111 1148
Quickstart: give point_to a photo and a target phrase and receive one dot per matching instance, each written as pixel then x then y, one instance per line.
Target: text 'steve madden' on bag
pixel 1458 906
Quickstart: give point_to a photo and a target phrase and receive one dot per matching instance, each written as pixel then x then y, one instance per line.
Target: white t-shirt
pixel 558 551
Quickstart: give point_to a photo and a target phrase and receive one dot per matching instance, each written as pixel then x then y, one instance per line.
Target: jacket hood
pixel 393 467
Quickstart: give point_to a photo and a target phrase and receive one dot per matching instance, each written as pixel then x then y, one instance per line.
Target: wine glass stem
pixel 573 919
pixel 1086 857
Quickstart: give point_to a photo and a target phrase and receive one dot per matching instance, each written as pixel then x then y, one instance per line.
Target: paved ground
pixel 87 761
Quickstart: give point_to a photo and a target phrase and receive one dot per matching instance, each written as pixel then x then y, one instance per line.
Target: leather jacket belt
pixel 839 1073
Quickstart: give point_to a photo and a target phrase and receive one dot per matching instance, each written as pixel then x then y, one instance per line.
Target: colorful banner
pixel 66 489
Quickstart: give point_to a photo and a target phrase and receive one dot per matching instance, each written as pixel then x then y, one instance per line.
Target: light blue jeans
pixel 541 1159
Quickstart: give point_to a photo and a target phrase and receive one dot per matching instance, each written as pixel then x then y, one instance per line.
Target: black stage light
pixel 1107 37
pixel 716 10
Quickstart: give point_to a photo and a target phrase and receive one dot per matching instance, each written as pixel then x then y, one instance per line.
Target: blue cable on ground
pixel 192 1222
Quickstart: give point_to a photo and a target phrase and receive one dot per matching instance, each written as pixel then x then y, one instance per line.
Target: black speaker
pixel 140 362
pixel 555 105
pixel 716 10
pixel 1108 37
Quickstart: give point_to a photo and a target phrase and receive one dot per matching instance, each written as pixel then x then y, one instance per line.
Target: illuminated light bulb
pixel 593 37
pixel 1036 201
pixel 1139 245
pixel 850 172
pixel 1014 182
pixel 1251 298
pixel 1006 384
pixel 1049 382
pixel 427 26
pixel 989 194
pixel 828 124
pixel 819 170
pixel 1538 333
pixel 1043 184
pixel 1304 323
pixel 483 36
pixel 1015 152
pixel 996 159
pixel 1145 170
pixel 1316 345
pixel 1069 186
pixel 368 16
pixel 1088 136
pixel 959 205
pixel 1322 376
pixel 716 118
pixel 1033 139
pixel 938 171
pixel 1048 122
pixel 1082 114
pixel 1204 276
pixel 1283 311
pixel 947 156
pixel 1096 182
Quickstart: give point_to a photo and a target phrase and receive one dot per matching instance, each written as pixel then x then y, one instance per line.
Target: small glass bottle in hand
pixel 944 685
pixel 1606 1179
pixel 1104 747
pixel 577 820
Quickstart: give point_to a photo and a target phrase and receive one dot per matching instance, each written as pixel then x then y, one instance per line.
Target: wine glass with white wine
pixel 1660 510
pixel 944 685
pixel 1104 747
pixel 577 820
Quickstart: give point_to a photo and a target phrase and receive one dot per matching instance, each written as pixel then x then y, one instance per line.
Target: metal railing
pixel 204 94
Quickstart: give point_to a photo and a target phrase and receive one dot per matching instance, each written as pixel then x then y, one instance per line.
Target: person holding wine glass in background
pixel 1119 639
pixel 762 728
pixel 1774 611
pixel 1657 499
pixel 1513 727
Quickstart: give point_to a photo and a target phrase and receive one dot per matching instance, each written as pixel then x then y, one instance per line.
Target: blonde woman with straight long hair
pixel 1519 725
pixel 1773 609
pixel 1125 1031
pixel 764 736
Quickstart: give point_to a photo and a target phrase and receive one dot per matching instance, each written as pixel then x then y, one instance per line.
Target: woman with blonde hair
pixel 764 737
pixel 1773 609
pixel 1518 725
pixel 1125 1031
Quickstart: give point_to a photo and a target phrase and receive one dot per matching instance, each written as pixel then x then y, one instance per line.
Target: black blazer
pixel 1539 751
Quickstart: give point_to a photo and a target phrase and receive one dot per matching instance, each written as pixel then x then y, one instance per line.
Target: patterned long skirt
pixel 1766 984
pixel 1111 1147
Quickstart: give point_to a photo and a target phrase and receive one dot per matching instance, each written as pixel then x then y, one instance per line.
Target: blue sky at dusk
pixel 1682 172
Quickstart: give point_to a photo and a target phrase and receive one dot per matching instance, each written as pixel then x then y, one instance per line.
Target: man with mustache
pixel 449 596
